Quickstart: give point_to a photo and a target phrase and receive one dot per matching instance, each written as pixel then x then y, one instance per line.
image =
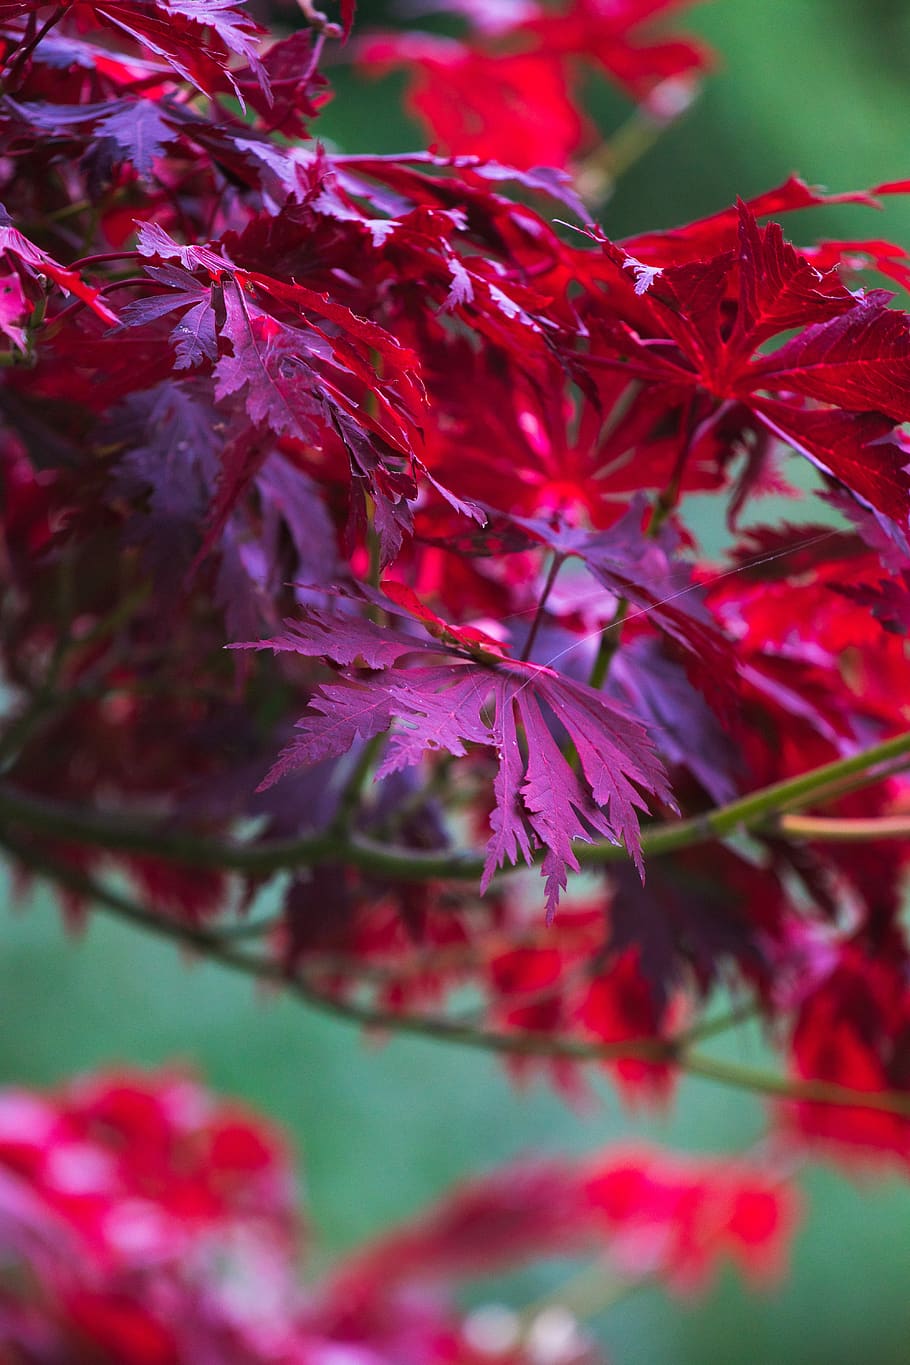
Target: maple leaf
pixel 265 349
pixel 688 1213
pixel 293 378
pixel 295 89
pixel 780 288
pixel 889 601
pixel 14 309
pixel 657 688
pixel 852 1029
pixel 511 96
pixel 194 336
pixel 719 232
pixel 460 95
pixel 853 355
pixel 194 37
pixel 541 800
pixel 547 180
pixel 485 1225
pixel 676 1214
pixel 153 241
pixel 857 360
pixel 261 364
pixel 171 460
pixel 698 914
pixel 619 40
pixel 136 130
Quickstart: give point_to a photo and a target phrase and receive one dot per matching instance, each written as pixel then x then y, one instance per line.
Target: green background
pixel 814 86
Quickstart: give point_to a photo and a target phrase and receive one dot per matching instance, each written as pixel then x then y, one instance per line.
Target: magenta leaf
pixel 541 801
pixel 193 336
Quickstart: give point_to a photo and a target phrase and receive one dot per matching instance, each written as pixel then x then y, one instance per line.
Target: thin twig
pixel 23 53
pixel 611 636
pixel 825 829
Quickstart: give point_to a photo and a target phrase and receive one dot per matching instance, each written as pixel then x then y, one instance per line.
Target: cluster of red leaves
pixel 428 451
pixel 142 1222
pixel 509 91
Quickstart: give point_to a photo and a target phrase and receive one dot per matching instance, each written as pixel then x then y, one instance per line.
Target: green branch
pixel 610 639
pixel 757 811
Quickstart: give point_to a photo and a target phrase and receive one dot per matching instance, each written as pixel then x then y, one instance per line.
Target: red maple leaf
pixel 696 329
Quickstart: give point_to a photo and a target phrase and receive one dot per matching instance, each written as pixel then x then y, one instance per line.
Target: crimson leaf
pixel 38 261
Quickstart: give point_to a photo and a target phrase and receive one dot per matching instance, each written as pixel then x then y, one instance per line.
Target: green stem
pixel 103 830
pixel 749 812
pixel 833 791
pixel 609 644
pixel 597 175
pixel 844 831
pixel 435 788
pixel 722 1023
pixel 593 1291
pixel 353 789
pixel 779 1087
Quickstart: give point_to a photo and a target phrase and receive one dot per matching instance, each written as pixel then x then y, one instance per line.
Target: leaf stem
pixel 611 635
pixel 597 175
pixel 609 643
pixel 592 1291
pixel 353 788
pixel 555 566
pixel 722 1023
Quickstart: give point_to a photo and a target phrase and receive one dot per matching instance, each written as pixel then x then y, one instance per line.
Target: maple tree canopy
pixel 350 569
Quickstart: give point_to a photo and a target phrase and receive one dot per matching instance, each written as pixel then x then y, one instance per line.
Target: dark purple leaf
pixel 686 730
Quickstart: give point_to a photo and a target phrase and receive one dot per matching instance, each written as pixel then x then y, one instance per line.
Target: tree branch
pixel 757 811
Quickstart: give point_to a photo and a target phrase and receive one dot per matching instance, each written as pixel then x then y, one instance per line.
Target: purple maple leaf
pixel 542 800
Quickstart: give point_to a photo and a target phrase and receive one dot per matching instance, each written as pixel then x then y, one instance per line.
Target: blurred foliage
pixel 815 86
pixel 818 87
pixel 380 1130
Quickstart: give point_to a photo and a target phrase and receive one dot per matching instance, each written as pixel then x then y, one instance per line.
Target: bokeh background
pixel 814 86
